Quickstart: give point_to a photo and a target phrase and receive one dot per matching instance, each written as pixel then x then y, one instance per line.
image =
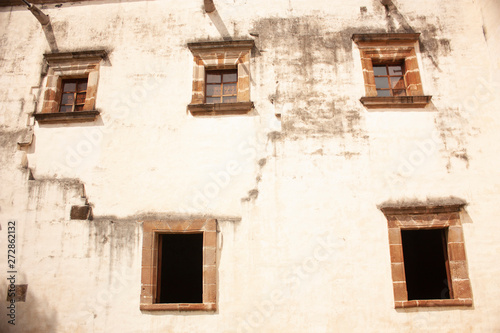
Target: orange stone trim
pixel 429 217
pixel 66 65
pixel 380 48
pixel 149 270
pixel 221 55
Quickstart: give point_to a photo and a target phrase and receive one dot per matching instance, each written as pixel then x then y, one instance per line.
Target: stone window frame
pixel 149 270
pixel 70 65
pixel 390 48
pixel 421 218
pixel 221 55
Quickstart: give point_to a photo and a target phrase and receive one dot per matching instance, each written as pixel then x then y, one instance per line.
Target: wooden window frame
pixel 429 217
pixel 221 55
pixel 390 48
pixel 64 66
pixel 221 73
pixel 389 76
pixel 75 103
pixel 150 263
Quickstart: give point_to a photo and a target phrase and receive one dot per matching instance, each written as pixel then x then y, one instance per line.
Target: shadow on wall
pixel 32 316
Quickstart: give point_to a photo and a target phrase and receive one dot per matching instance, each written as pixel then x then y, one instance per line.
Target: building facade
pixel 250 166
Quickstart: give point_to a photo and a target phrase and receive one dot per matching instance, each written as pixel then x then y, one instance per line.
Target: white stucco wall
pixel 302 245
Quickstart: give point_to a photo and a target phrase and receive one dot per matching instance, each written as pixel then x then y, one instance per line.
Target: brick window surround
pixel 391 48
pixel 70 65
pixel 423 217
pixel 149 276
pixel 221 55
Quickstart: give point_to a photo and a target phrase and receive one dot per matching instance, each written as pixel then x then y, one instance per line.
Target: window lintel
pixel 54 58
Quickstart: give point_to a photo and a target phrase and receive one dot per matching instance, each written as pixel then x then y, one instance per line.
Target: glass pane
pixel 230 89
pixel 213 78
pixel 383 93
pixel 80 98
pixel 230 99
pixel 395 70
pixel 379 70
pixel 79 108
pixel 69 86
pixel 213 90
pixel 398 82
pixel 230 77
pixel 213 99
pixel 381 82
pixel 67 98
pixel 65 108
pixel 82 86
pixel 399 92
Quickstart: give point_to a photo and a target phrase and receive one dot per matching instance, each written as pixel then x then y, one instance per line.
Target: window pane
pixel 82 86
pixel 80 98
pixel 383 93
pixel 69 86
pixel 379 70
pixel 66 108
pixel 230 77
pixel 67 98
pixel 78 107
pixel 395 70
pixel 213 99
pixel 213 90
pixel 399 92
pixel 230 99
pixel 381 82
pixel 213 78
pixel 230 89
pixel 398 82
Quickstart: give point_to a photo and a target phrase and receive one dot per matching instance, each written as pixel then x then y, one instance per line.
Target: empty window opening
pixel 73 95
pixel 426 264
pixel 180 272
pixel 390 79
pixel 222 86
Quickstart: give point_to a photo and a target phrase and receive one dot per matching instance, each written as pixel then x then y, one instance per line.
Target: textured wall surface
pixel 294 184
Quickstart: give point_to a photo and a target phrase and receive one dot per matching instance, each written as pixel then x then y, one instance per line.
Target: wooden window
pixel 390 79
pixel 221 86
pixel 179 270
pixel 427 251
pixel 73 95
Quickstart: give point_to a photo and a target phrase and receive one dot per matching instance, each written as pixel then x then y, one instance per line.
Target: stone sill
pixel 179 307
pixel 220 108
pixel 433 303
pixel 66 117
pixel 395 102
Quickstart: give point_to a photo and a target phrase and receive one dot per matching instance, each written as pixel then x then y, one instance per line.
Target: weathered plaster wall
pixel 302 245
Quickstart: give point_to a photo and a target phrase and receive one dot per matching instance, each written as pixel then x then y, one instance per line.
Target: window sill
pixel 394 102
pixel 433 303
pixel 220 108
pixel 66 117
pixel 179 307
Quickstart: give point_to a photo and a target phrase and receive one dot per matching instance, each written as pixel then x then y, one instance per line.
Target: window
pixel 221 77
pixel 390 79
pixel 390 71
pixel 221 86
pixel 179 265
pixel 71 88
pixel 73 95
pixel 427 251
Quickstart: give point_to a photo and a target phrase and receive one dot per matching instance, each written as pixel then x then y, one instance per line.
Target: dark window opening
pixel 74 92
pixel 180 269
pixel 390 79
pixel 221 86
pixel 426 264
